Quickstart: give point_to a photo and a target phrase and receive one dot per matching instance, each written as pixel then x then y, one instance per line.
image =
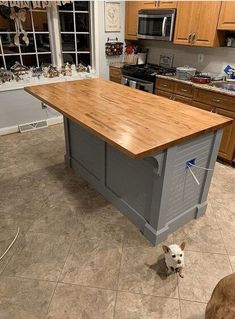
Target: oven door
pixel 138 84
pixel 155 26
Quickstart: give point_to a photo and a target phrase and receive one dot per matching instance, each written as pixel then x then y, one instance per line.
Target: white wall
pixel 18 107
pixel 102 61
pixel 215 59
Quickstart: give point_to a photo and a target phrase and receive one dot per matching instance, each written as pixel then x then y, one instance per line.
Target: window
pixel 74 20
pixel 38 51
pixel 75 32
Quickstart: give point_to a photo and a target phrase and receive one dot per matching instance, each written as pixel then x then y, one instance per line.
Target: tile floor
pixel 78 257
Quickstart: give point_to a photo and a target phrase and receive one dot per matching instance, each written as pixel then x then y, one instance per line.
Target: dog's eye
pixel 173 256
pixel 181 255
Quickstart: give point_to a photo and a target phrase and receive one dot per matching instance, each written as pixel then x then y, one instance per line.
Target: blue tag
pixel 227 68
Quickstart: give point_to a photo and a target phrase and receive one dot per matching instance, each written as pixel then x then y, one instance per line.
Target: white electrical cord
pixel 193 175
pixel 206 169
pixel 9 247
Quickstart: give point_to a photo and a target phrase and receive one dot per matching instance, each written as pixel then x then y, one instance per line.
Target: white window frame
pixel 36 53
pixel 55 37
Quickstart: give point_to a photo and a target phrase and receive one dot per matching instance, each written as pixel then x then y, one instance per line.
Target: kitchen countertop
pixel 135 122
pixel 197 85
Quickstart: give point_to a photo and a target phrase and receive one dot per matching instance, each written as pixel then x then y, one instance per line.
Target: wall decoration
pixel 113 47
pixel 112 16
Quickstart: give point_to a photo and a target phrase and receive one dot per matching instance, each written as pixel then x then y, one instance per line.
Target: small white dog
pixel 174 258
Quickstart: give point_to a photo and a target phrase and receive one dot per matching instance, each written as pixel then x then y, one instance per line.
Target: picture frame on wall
pixel 112 16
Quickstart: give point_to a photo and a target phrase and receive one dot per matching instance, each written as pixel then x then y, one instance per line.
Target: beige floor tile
pixel 202 273
pixel 202 234
pixel 23 298
pixel 75 302
pixel 8 231
pixel 93 262
pixel 228 230
pixel 134 306
pixel 106 221
pixel 143 271
pixel 42 257
pixel 232 261
pixel 192 310
pixel 58 220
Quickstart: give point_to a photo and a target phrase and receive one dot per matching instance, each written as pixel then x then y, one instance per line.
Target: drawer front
pixel 114 79
pixel 165 85
pixel 115 72
pixel 183 89
pixel 215 99
pixel 203 106
pixel 163 93
pixel 182 99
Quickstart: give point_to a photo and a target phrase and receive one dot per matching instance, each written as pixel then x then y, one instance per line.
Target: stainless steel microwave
pixel 156 24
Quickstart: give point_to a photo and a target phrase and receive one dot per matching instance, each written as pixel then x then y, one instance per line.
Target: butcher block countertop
pixel 137 123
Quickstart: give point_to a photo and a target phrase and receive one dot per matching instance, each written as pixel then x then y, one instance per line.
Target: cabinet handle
pixel 184 90
pixel 216 100
pixel 193 38
pixel 189 37
pixel 165 85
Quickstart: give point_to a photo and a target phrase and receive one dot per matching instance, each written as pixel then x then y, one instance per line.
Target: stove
pixel 142 76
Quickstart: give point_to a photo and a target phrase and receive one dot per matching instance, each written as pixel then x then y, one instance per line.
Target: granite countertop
pixel 135 122
pixel 197 85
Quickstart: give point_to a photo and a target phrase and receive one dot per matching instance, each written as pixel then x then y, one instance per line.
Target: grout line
pixel 49 303
pixel 119 272
pixel 196 301
pixel 222 236
pixel 29 278
pixel 179 297
pixel 58 278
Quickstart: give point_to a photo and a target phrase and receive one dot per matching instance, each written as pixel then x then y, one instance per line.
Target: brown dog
pixel 222 302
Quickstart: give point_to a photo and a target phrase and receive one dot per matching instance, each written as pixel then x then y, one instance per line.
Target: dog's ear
pixel 182 245
pixel 165 249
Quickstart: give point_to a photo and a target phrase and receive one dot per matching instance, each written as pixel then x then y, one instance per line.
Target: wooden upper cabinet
pixel 185 22
pixel 227 16
pixel 148 4
pixel 158 4
pixel 167 4
pixel 132 8
pixel 192 26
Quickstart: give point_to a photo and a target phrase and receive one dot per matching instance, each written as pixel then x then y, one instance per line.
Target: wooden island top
pixel 135 122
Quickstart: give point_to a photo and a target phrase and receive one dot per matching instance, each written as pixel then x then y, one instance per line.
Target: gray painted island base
pixel 158 193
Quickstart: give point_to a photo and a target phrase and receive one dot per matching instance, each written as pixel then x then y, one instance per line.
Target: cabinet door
pixel 148 4
pixel 165 85
pixel 163 93
pixel 227 16
pixel 132 8
pixel 206 33
pixel 227 144
pixel 192 27
pixel 167 4
pixel 185 22
pixel 203 106
pixel 182 99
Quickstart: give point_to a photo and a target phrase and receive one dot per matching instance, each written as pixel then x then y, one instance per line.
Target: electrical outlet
pixel 200 58
pixel 190 163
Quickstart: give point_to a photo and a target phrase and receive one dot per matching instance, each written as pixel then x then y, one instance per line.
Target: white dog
pixel 174 258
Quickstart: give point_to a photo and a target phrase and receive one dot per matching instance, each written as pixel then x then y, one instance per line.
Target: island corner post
pixel 150 184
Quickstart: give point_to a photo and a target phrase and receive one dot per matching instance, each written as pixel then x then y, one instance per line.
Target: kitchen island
pixel 137 149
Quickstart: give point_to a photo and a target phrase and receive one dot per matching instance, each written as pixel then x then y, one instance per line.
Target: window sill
pixel 13 85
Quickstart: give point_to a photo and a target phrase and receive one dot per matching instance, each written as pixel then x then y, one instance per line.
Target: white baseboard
pixel 15 128
pixel 55 120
